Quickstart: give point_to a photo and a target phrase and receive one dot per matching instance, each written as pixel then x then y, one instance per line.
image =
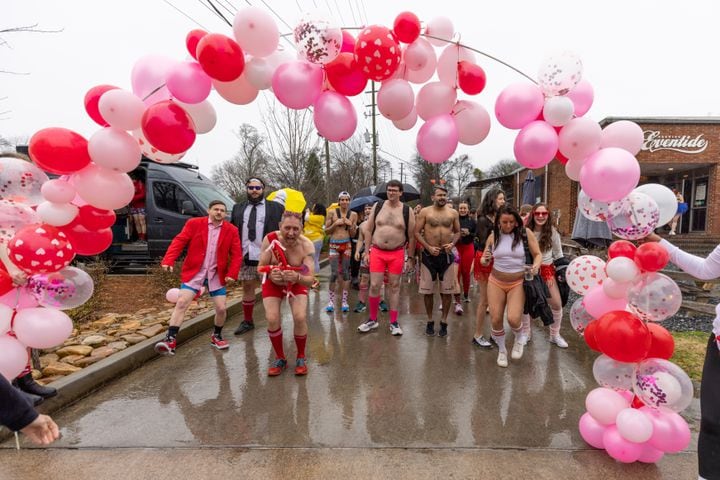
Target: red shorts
pixel 269 289
pixel 481 272
pixel 393 260
pixel 547 272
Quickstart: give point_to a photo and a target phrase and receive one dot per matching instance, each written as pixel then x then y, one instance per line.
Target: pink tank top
pixel 506 258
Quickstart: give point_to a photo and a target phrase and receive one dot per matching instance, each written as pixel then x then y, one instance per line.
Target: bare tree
pixel 426 174
pixel 24 29
pixel 461 173
pixel 250 160
pixel 351 166
pixel 502 168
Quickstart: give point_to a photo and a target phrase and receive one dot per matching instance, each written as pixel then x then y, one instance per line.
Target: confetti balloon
pixel 65 289
pixel 317 39
pixel 661 383
pixel 14 216
pixel 636 221
pixel 558 74
pixel 593 210
pixel 20 181
pixel 654 297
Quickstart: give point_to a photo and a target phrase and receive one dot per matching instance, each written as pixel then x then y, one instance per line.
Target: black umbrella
pixel 366 192
pixel 528 189
pixel 409 194
pixel 358 203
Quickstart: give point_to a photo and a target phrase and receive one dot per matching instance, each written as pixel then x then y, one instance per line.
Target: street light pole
pixel 327 169
pixel 374 137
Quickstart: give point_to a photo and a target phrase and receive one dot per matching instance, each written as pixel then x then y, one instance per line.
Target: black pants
pixel 709 439
pixel 354 265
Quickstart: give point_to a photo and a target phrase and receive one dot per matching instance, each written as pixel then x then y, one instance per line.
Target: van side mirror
pixel 188 207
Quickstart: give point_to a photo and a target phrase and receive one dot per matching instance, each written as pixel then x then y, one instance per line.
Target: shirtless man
pixel 298 251
pixel 387 231
pixel 340 225
pixel 438 229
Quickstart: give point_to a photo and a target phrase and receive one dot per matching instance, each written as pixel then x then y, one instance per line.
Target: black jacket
pixel 273 215
pixel 16 411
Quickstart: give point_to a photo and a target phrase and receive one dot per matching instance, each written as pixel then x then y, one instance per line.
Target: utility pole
pixel 401 173
pixel 327 169
pixel 374 136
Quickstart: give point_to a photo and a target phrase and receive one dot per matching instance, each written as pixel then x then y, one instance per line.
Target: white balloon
pixel 57 214
pixel 558 111
pixel 202 114
pixel 256 31
pixel 121 109
pixel 634 426
pixel 259 72
pixel 665 199
pixel 622 269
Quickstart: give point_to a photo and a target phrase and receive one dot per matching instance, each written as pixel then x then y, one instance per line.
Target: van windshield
pixel 207 193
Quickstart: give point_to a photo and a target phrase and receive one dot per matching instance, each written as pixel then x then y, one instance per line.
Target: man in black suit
pixel 254 219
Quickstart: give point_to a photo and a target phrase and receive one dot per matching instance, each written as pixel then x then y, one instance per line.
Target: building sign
pixel 654 141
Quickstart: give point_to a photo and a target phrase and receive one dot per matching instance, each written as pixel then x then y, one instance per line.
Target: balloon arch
pixel 44 223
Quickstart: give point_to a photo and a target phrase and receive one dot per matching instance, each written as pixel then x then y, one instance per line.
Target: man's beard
pixel 255 199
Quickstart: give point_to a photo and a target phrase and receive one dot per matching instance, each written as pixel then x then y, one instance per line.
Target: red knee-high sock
pixel 374 307
pixel 276 338
pixel 393 316
pixel 300 343
pixel 248 306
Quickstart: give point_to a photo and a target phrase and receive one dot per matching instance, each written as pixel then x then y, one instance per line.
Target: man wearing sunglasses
pixel 254 219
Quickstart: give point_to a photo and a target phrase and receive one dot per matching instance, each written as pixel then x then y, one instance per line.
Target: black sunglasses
pixel 254 187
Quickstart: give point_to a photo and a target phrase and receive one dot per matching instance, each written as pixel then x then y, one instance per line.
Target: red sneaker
pixel 277 367
pixel 219 343
pixel 167 346
pixel 301 366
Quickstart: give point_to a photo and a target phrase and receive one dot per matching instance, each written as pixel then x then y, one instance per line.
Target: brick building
pixel 682 153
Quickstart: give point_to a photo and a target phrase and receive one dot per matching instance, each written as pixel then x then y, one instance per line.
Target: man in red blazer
pixel 213 258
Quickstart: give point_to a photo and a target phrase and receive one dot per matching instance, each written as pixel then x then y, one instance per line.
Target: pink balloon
pixel 172 295
pixel 103 188
pixel 121 109
pixel 42 327
pixel 634 426
pixel 573 167
pixel 591 430
pixel 437 139
pixel 419 55
pixel 604 404
pixel 6 314
pixel 19 298
pixel 348 42
pixel 619 448
pixel 597 303
pixel 13 357
pixel 334 117
pixel 650 454
pixel 408 122
pixel 188 82
pixel 615 289
pixel 58 191
pixel 582 97
pixel 239 91
pixel 256 31
pixel 114 149
pixel 671 433
pixel 519 104
pixel 148 78
pixel 536 144
pixel 442 28
pixel 297 84
pixel 623 134
pixel 610 174
pixel 472 120
pixel 580 138
pixel 435 98
pixel 418 76
pixel 447 65
pixel 396 99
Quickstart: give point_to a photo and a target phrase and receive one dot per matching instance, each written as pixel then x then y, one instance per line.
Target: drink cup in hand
pixel 528 273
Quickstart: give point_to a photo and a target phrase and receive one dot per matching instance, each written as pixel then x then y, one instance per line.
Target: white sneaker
pixel 367 326
pixel 502 360
pixel 559 341
pixel 517 350
pixel 395 329
pixel 458 308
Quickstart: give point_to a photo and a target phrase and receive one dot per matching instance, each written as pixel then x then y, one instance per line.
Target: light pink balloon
pixel 13 357
pixel 395 99
pixel 536 144
pixel 447 65
pixel 238 91
pixel 6 314
pixel 58 191
pixel 114 149
pixel 42 327
pixel 148 78
pixel 259 72
pixel 598 304
pixel 671 433
pixel 558 111
pixel 418 77
pixel 188 82
pixel 437 139
pixel 650 454
pixel 591 430
pixel 580 138
pixel 634 426
pixel 519 104
pixel 582 97
pixel 441 27
pixel 435 98
pixel 103 188
pixel 121 109
pixel 57 214
pixel 472 120
pixel 256 31
pixel 334 117
pixel 615 289
pixel 408 122
pixel 604 404
pixel 609 174
pixel 623 134
pixel 202 114
pixel 573 167
pixel 622 270
pixel 619 448
pixel 297 84
pixel 419 54
pixel 19 298
pixel 172 295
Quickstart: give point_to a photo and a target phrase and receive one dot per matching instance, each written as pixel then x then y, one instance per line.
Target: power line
pixel 186 15
pixel 227 6
pixel 342 18
pixel 355 22
pixel 218 12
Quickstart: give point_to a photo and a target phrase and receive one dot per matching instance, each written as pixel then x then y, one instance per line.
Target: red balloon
pixel 59 150
pixel 348 42
pixel 92 97
pixel 192 39
pixel 220 57
pixel 589 335
pixel 407 27
pixel 561 158
pixel 168 127
pixel 471 78
pixel 651 257
pixel 6 283
pixel 663 343
pixel 40 248
pixel 377 52
pixel 345 75
pixel 621 248
pixel 636 402
pixel 87 242
pixel 93 218
pixel 623 337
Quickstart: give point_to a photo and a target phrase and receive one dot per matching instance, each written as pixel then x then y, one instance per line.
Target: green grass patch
pixel 690 352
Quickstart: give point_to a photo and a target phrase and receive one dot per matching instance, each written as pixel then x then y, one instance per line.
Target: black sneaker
pixel 443 330
pixel 430 329
pixel 244 327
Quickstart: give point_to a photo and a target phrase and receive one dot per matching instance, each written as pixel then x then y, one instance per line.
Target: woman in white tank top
pixel 505 285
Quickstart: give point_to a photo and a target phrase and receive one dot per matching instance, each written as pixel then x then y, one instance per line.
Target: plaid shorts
pixel 248 272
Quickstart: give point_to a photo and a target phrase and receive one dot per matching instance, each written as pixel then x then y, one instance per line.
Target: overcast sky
pixel 644 58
